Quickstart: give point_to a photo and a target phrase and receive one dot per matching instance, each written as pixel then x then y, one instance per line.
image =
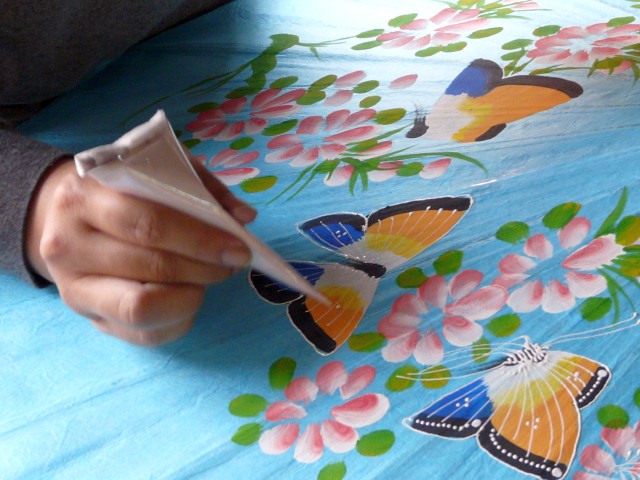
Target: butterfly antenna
pixel 630 322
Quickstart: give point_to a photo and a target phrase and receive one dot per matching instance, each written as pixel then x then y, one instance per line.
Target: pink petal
pixel 331 151
pixel 234 176
pixel 398 42
pixel 264 97
pixel 464 283
pixel 230 131
pixel 284 154
pixel 621 440
pixel 600 251
pixel 233 158
pixel 584 285
pixel 429 350
pixel 306 157
pixel 358 117
pixel 557 297
pixel 310 125
pixel 278 111
pixel 434 291
pixel 398 349
pixel 338 437
pixel 301 389
pixel 403 82
pixel 409 304
pixel 513 263
pixel 284 141
pixel 281 410
pixel 582 475
pixel 380 149
pixel 480 304
pixel 417 24
pixel 387 170
pixel 395 325
pixel 444 38
pixel 255 125
pixel 354 135
pixel 350 79
pixel 361 411
pixel 435 169
pixel 526 298
pixel 463 27
pixel 358 380
pixel 461 332
pixel 330 377
pixel 278 439
pixel 574 232
pixel 336 118
pixel 538 247
pixel 233 105
pixel 339 176
pixel 310 445
pixel 597 460
pixel 419 42
pixel 509 280
pixel 443 15
pixel 339 98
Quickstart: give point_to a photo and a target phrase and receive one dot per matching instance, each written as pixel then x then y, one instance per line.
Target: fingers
pixel 142 314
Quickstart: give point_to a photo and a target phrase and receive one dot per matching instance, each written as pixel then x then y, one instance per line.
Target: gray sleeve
pixel 22 163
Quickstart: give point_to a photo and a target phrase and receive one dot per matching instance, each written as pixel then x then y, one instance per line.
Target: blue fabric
pixel 548 191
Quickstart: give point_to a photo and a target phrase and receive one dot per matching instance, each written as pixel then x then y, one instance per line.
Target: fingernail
pixel 244 213
pixel 235 257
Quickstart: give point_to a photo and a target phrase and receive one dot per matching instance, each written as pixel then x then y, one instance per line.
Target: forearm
pixel 23 162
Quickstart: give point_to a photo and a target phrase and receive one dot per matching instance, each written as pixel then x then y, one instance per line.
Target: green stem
pixel 293 184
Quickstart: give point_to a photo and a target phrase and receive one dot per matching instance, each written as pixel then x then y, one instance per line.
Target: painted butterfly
pixel 372 244
pixel 525 410
pixel 479 103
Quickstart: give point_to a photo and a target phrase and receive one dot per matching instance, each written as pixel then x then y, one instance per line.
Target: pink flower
pixel 581 46
pixel 444 28
pixel 341 91
pixel 339 432
pixel 342 174
pixel 317 138
pixel 621 458
pixel 556 296
pixel 463 305
pixel 234 176
pixel 228 121
pixel 226 165
pixel 435 169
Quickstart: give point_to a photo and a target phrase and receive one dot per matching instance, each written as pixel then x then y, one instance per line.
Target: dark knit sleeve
pixel 22 163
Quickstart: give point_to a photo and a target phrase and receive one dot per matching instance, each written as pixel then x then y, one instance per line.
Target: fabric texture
pixel 46 48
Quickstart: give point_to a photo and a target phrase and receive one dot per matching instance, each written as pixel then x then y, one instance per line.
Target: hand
pixel 137 270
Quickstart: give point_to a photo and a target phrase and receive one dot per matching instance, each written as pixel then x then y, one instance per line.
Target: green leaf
pixel 323 82
pixel 367 45
pixel 258 184
pixel 247 434
pixel 402 20
pixel 241 143
pixel 247 405
pixel 593 309
pixel 397 384
pixel 481 350
pixel 244 91
pixel 619 21
pixel 366 342
pixel 333 471
pixel 448 262
pixel 390 116
pixel 370 101
pixel 327 166
pixel 280 128
pixel 428 52
pixel 284 82
pixel 192 142
pixel 411 278
pixel 514 55
pixel 613 416
pixel 281 42
pixel 629 265
pixel 311 97
pixel 487 32
pixel 435 377
pixel 636 398
pixel 367 86
pixel 504 325
pixel 281 372
pixel 560 215
pixel 453 47
pixel 517 44
pixel 203 107
pixel 410 169
pixel 513 232
pixel 628 230
pixel 608 226
pixel 607 64
pixel 376 443
pixel 546 30
pixel 371 33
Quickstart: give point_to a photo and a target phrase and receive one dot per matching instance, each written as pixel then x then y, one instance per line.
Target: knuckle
pixel 68 194
pixel 163 267
pixel 134 307
pixel 54 246
pixel 146 228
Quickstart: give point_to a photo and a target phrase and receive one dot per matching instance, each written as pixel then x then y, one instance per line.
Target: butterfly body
pixel 371 245
pixel 524 412
pixel 479 103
